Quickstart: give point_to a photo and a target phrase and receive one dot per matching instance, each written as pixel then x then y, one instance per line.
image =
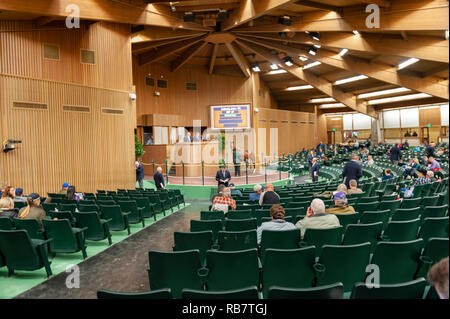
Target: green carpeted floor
pixel 24 280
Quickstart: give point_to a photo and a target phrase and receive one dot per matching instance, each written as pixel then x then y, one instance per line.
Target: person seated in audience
pixel 354 187
pixel 438 277
pixel 65 186
pixel 9 191
pixel 440 152
pixel 197 137
pixel 7 208
pixel 234 191
pixel 33 209
pixel 220 189
pixel 317 218
pixel 222 202
pixel 187 138
pixel 387 175
pixel 206 137
pixel 369 160
pixel 269 196
pixel 2 188
pixel 72 194
pixel 340 205
pixel 257 190
pixel 421 180
pixel 433 164
pixel 277 223
pixel 329 194
pixel 411 167
pixel 424 161
pixel 19 196
pixel 430 175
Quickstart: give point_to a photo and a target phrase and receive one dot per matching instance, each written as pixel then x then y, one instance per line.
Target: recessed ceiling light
pixel 312 50
pixel 343 52
pixel 355 32
pixel 446 34
pixel 301 87
pixel 352 79
pixel 323 99
pixel 288 61
pixel 399 98
pixel 273 66
pixel 383 92
pixel 302 58
pixel 317 45
pixel 332 105
pixel 406 63
pixel 256 68
pixel 310 65
pixel 276 72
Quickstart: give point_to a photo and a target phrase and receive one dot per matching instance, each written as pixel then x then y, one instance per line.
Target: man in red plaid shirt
pixel 225 199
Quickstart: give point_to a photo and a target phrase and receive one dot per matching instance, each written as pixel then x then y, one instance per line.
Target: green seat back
pixel 154 294
pixel 368 199
pixel 411 202
pixel 95 228
pixel 367 207
pixel 320 237
pixel 64 240
pixel 241 240
pixel 375 217
pixel 130 206
pixel 106 202
pixel 405 214
pixel 429 201
pixel 362 233
pixel 144 203
pixel 406 290
pixel 284 239
pixel 397 261
pixel 402 230
pixel 212 215
pixel 204 225
pixel 32 226
pixel 49 207
pixel 434 211
pixel 174 270
pixel 436 249
pixel 290 268
pixel 293 212
pixel 202 241
pixel 88 208
pixel 240 224
pixel 334 291
pixel 62 215
pixel 118 220
pixel 230 270
pixel 245 293
pixel 345 264
pixel 19 205
pixel 392 205
pixel 346 219
pixel 240 214
pixel 436 227
pixel 6 224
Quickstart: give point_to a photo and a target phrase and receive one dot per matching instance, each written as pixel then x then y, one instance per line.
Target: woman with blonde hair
pixel 9 192
pixel 7 208
pixel 33 209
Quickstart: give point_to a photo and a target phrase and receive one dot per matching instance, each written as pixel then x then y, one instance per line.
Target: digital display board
pixel 230 117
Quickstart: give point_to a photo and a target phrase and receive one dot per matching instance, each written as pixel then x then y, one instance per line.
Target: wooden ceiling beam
pixel 41 21
pixel 239 58
pixel 318 5
pixel 187 55
pixel 378 71
pixel 252 9
pixel 402 15
pixel 159 33
pixel 421 47
pixel 213 58
pixel 380 3
pixel 166 50
pixel 319 83
pixel 436 69
pixel 141 47
pixel 102 10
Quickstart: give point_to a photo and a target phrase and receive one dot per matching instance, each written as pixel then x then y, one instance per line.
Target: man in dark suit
pixel 395 154
pixel 310 158
pixel 352 170
pixel 315 170
pixel 223 176
pixel 140 174
pixel 158 177
pixel 429 151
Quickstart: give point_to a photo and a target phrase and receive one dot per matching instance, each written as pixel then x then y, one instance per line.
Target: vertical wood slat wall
pixel 92 150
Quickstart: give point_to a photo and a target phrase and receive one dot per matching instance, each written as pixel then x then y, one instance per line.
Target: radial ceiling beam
pixel 318 82
pixel 166 50
pixel 213 58
pixel 141 47
pixel 378 71
pixel 421 47
pixel 437 69
pixel 402 15
pixel 239 57
pixel 252 9
pixel 102 10
pixel 187 55
pixel 158 33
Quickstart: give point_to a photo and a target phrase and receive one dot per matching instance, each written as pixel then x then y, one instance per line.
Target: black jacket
pixel 396 154
pixel 429 151
pixel 352 170
pixel 140 172
pixel 159 180
pixel 315 168
pixel 223 176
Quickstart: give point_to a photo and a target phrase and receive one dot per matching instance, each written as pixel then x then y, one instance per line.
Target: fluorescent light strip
pixel 383 92
pixel 273 66
pixel 331 105
pixel 324 99
pixel 355 32
pixel 276 72
pixel 398 98
pixel 343 52
pixel 430 107
pixel 302 58
pixel 352 79
pixel 256 68
pixel 317 46
pixel 310 65
pixel 446 34
pixel 406 63
pixel 302 87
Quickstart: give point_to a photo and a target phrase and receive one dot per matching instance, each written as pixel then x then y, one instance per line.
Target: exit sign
pixel 429 125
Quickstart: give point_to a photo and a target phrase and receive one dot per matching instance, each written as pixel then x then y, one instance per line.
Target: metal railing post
pixel 246 171
pixel 203 172
pixel 182 164
pixel 279 168
pixel 265 171
pixel 153 161
pixel 167 172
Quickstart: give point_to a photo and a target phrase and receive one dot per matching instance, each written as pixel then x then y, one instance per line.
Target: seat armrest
pixel 215 247
pixel 105 221
pixel 203 274
pixel 126 213
pixel 42 242
pixel 80 230
pixel 319 269
pixel 385 238
pixel 303 244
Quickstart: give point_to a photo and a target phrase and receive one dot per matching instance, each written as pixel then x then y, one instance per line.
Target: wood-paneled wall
pixel 93 150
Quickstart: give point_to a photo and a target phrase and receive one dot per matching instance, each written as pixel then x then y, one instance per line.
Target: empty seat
pixel 212 215
pixel 320 237
pixel 346 219
pixel 32 226
pixel 244 293
pixel 413 289
pixel 118 219
pixel 65 239
pixel 366 207
pixel 375 217
pixel 392 205
pixel 136 216
pixel 362 233
pixel 284 239
pixel 406 214
pixel 411 202
pixel 202 241
pixel 401 230
pixel 233 241
pixel 97 229
pixel 434 227
pixel 154 294
pixel 333 291
pixel 434 211
pixel 240 224
pixel 204 225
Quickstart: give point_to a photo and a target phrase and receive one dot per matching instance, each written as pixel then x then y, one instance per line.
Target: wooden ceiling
pixel 251 33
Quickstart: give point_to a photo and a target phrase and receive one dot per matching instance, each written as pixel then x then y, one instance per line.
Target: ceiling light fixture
pixel 310 65
pixel 352 79
pixel 285 20
pixel 273 66
pixel 312 50
pixel 383 92
pixel 323 99
pixel 331 105
pixel 355 32
pixel 172 7
pixel 317 45
pixel 446 34
pixel 302 58
pixel 276 72
pixel 256 68
pixel 315 35
pixel 406 63
pixel 288 61
pixel 301 87
pixel 399 98
pixel 343 52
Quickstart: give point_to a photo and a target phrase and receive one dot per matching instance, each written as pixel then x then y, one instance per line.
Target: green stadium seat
pixel 240 224
pixel 397 261
pixel 201 241
pixel 434 227
pixel 413 289
pixel 154 294
pixel 175 270
pixel 88 208
pixel 345 264
pixel 434 211
pixel 97 229
pixel 401 230
pixel 119 220
pixel 320 237
pixel 411 203
pixel 362 233
pixel 65 239
pixel 239 214
pixel 429 201
pixel 333 291
pixel 346 219
pixel 366 207
pixel 6 224
pixel 233 241
pixel 370 217
pixel 136 212
pixel 32 226
pixel 49 207
pixel 147 211
pixel 392 205
pixel 231 270
pixel 406 214
pixel 212 215
pixel 288 268
pixel 285 239
pixel 20 252
pixel 244 293
pixel 205 225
